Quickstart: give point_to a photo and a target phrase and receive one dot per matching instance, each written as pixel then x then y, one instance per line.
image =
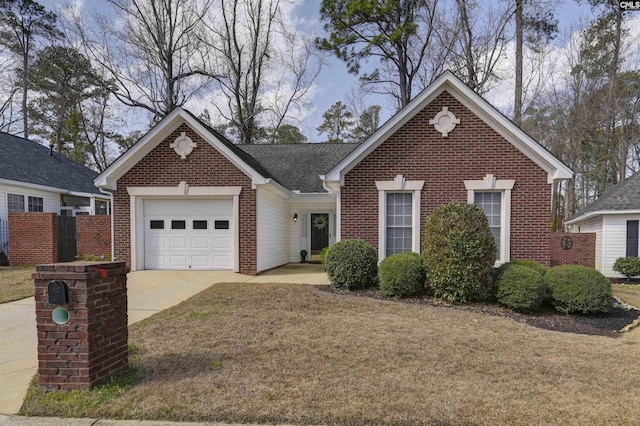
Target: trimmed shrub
pixel 459 253
pixel 578 289
pixel 520 288
pixel 537 266
pixel 323 254
pixel 402 275
pixel 627 266
pixel 351 264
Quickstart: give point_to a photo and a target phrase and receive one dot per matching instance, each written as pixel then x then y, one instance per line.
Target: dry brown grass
pixel 15 283
pixel 270 353
pixel 628 293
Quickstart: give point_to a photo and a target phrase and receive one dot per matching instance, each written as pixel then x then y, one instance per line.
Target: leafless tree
pixel 150 49
pixel 263 68
pixel 482 42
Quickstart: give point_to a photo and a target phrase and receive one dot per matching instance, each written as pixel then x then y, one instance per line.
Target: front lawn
pixel 279 353
pixel 16 283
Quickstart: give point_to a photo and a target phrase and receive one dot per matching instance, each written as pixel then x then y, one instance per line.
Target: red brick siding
pixel 205 166
pixel 33 238
pixel 93 235
pixel 582 251
pixel 419 152
pixel 92 346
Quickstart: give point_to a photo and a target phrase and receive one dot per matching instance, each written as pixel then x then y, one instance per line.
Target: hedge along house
pixel 186 198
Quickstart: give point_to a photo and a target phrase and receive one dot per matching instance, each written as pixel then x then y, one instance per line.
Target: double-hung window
pixel 398 216
pixel 35 204
pixel 494 197
pixel 15 203
pixel 399 232
pixel 491 204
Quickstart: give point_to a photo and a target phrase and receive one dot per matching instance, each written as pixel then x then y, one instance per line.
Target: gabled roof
pixel 293 167
pixel 108 179
pixel 621 198
pixel 476 104
pixel 27 162
pixel 298 166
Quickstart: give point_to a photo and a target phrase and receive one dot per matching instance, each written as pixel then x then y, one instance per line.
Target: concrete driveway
pixel 148 292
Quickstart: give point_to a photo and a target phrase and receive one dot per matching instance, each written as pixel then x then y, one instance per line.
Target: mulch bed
pixel 609 324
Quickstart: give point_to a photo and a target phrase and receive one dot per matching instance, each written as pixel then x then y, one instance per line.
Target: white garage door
pixel 188 234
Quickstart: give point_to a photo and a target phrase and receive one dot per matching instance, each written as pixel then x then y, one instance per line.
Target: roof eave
pixel 594 213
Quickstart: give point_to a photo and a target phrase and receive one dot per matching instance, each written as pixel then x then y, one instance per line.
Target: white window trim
pixel 491 184
pixel 183 190
pixel 399 184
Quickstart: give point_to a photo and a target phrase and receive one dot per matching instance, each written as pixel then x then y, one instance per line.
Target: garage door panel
pixel 200 243
pixel 200 261
pixel 155 262
pixel 221 242
pixel 156 242
pixel 188 234
pixel 178 261
pixel 221 261
pixel 178 242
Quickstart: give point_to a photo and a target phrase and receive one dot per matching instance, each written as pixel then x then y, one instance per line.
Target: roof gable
pixel 477 105
pixel 248 165
pixel 31 163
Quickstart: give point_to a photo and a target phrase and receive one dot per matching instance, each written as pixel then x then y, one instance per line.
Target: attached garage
pixel 188 234
pixel 184 227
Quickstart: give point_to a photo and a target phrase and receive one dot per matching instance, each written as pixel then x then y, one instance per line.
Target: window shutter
pixel 632 238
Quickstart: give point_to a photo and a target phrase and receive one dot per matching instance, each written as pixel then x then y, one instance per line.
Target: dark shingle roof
pixel 297 166
pixel 623 196
pixel 250 161
pixel 26 161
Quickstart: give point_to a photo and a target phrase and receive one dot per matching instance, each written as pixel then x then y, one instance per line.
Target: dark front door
pixel 319 232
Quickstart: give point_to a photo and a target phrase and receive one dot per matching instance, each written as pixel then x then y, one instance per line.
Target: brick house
pixel 186 198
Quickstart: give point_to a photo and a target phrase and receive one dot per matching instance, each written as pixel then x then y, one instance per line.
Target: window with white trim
pixel 491 204
pixel 15 203
pixel 398 216
pixel 35 204
pixel 399 220
pixel 494 196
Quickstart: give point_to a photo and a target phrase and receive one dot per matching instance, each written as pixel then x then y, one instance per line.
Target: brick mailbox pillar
pixel 87 343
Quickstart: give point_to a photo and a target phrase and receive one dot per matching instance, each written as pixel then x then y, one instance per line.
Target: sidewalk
pixel 56 421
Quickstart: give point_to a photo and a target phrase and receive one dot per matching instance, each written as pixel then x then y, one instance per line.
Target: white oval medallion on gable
pixel 444 122
pixel 183 145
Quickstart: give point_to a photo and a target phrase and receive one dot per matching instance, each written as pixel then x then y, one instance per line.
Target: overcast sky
pixel 335 82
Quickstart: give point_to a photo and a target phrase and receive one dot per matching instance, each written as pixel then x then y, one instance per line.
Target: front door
pixel 319 232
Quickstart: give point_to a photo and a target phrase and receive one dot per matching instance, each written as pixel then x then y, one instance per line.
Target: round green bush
pixel 537 266
pixel 402 275
pixel 627 266
pixel 578 289
pixel 459 253
pixel 520 288
pixel 351 264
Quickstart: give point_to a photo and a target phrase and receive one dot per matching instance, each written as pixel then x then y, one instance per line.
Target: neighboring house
pixel 186 198
pixel 35 179
pixel 614 218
